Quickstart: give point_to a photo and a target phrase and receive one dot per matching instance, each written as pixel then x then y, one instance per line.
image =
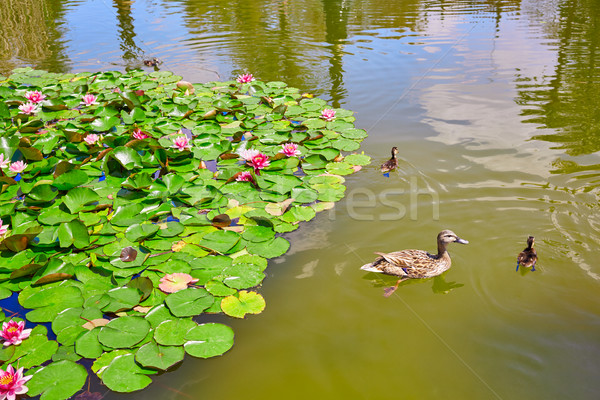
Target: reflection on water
pixel 492 105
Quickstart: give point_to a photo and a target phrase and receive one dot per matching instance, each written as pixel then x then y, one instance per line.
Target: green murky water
pixel 493 105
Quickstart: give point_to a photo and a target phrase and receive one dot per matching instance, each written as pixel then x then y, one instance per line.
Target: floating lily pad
pixel 124 332
pixel 244 303
pixel 208 340
pixel 57 381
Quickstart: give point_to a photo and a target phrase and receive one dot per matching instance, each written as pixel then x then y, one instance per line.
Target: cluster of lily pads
pixel 135 205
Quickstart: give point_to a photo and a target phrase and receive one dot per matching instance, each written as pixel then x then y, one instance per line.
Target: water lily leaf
pixel 128 254
pixel 156 356
pixel 128 215
pixel 174 228
pixel 258 234
pixel 221 241
pixel 217 288
pixel 208 340
pixel 78 199
pixel 124 332
pixel 346 144
pixel 339 168
pixel 189 302
pixel 143 284
pixel 303 195
pixel 124 375
pixel 55 216
pixel 139 232
pixel 244 303
pixel 57 381
pixel 36 350
pixel 73 233
pixel 126 156
pixel 358 159
pixel 49 300
pixel 158 314
pixel 104 124
pixel 42 194
pixel 172 332
pixel 269 249
pixel 87 345
pixel 221 221
pixel 122 298
pixel 71 179
pixel 242 276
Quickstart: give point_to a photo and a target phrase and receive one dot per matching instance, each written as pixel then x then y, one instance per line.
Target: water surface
pixel 493 106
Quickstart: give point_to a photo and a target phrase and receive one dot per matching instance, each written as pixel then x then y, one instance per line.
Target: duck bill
pixel 461 241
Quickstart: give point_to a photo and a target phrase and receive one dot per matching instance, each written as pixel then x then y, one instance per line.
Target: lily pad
pixel 208 340
pixel 244 303
pixel 57 381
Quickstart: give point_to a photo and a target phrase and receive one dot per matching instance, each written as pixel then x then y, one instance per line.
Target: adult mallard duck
pixel 392 163
pixel 415 264
pixel 528 257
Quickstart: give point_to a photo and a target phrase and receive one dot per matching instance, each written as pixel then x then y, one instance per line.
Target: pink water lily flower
pixel 3 228
pixel 182 143
pixel 13 332
pixel 4 161
pixel 17 166
pixel 35 96
pixel 138 134
pixel 248 154
pixel 89 99
pixel 171 283
pixel 92 138
pixel 12 383
pixel 259 162
pixel 290 149
pixel 328 114
pixel 29 108
pixel 245 177
pixel 245 78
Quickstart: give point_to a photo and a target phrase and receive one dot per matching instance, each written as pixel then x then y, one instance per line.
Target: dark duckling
pixel 152 62
pixel 415 264
pixel 392 163
pixel 528 257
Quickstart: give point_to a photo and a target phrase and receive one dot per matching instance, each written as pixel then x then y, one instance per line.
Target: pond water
pixel 493 105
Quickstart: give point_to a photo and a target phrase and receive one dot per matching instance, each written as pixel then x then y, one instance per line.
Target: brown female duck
pixel 415 264
pixel 528 257
pixel 392 163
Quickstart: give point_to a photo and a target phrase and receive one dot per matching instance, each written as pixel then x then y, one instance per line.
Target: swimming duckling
pixel 415 264
pixel 392 163
pixel 528 257
pixel 152 62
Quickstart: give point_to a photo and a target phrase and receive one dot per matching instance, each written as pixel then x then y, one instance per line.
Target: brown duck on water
pixel 415 264
pixel 392 163
pixel 528 257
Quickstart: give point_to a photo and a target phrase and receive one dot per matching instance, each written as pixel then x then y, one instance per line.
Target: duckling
pixel 152 62
pixel 528 257
pixel 415 264
pixel 392 163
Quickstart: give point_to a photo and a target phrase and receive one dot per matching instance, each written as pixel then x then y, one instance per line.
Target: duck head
pixel 447 236
pixel 530 241
pixel 394 151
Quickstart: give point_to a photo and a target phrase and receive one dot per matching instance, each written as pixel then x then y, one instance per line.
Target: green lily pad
pixel 208 340
pixel 57 381
pixel 153 355
pixel 244 303
pixel 189 302
pixel 124 332
pixel 124 375
pixel 172 332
